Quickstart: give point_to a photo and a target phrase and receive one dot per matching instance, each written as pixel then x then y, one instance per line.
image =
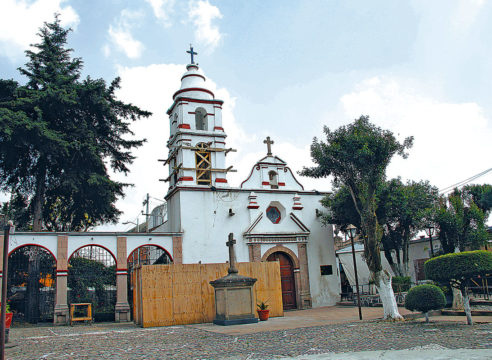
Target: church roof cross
pixel 269 145
pixel 191 52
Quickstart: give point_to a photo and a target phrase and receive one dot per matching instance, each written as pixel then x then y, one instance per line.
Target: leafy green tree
pixel 59 136
pixel 401 211
pixel 461 218
pixel 357 156
pixel 459 269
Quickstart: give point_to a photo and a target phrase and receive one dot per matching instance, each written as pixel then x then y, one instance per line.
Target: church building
pixel 272 216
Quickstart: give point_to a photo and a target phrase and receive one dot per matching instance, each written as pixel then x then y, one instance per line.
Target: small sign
pixel 326 270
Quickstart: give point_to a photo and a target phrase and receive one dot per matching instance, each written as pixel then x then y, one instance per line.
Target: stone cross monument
pixel 234 294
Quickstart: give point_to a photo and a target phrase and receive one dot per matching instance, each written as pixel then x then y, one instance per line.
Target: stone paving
pixel 126 341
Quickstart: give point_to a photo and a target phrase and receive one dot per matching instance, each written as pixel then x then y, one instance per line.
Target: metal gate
pixel 144 255
pixel 92 279
pixel 31 284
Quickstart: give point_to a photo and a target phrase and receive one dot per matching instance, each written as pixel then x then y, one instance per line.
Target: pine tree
pixel 59 136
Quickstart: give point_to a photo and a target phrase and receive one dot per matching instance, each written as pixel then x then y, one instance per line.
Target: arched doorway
pixel 92 279
pixel 286 278
pixel 31 285
pixel 144 255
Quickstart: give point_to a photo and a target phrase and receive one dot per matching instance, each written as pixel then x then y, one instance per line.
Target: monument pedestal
pixel 234 297
pixel 234 300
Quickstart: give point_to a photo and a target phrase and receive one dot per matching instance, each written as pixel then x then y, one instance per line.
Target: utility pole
pixel 147 214
pixel 6 229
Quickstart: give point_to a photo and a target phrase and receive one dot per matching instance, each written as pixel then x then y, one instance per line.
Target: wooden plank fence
pixel 179 294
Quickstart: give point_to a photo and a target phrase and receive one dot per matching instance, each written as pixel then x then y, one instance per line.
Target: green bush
pixel 425 298
pixel 401 283
pixel 459 266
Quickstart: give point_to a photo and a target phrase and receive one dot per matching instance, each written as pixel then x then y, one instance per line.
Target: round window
pixel 273 214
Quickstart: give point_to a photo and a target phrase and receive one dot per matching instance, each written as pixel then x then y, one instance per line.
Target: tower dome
pixel 193 85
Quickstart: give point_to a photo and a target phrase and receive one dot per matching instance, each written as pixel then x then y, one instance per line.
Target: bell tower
pixel 197 139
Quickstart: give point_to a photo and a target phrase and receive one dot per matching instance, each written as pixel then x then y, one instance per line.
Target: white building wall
pixel 206 223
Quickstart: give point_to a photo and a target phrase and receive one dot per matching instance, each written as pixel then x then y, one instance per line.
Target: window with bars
pixel 203 165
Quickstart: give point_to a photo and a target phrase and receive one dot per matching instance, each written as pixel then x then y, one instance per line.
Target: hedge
pixel 459 266
pixel 424 298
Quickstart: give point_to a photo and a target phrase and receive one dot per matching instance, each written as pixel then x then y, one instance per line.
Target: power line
pixel 464 182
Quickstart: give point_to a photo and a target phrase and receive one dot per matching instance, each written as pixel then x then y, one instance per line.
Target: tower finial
pixel 191 52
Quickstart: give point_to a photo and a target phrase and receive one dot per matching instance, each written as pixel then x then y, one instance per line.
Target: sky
pixel 285 69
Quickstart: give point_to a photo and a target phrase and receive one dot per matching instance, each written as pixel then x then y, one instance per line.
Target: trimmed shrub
pixel 459 266
pixel 424 298
pixel 401 283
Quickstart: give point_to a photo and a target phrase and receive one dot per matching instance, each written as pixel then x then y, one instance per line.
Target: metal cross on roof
pixel 191 52
pixel 269 145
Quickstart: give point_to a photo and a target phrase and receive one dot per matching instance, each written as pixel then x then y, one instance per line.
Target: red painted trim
pixel 302 187
pixel 104 247
pixel 184 126
pixel 219 128
pixel 253 206
pixel 186 178
pixel 169 111
pixel 281 184
pixel 217 107
pixel 220 180
pixel 192 89
pixel 194 112
pixel 220 142
pixel 191 66
pixel 265 183
pixel 33 244
pixel 297 207
pixel 251 173
pixel 183 140
pixel 198 75
pixel 160 247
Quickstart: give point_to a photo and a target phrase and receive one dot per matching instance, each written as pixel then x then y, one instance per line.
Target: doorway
pixel 286 278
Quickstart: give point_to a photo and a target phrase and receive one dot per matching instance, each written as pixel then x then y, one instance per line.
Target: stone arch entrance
pixel 31 284
pixel 287 279
pixel 92 279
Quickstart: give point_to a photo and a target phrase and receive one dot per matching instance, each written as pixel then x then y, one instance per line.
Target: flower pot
pixel 8 320
pixel 263 314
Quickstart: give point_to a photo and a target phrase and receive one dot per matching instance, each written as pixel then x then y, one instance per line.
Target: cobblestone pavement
pixel 187 342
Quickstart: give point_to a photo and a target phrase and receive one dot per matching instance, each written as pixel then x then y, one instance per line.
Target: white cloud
pixel 451 139
pixel 465 13
pixel 202 14
pixel 121 35
pixel 20 21
pixel 163 9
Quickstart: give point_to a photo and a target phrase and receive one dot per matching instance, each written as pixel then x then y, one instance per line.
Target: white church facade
pixel 270 214
pixel 272 217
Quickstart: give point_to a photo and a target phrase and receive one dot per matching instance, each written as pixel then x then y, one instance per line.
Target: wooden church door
pixel 286 278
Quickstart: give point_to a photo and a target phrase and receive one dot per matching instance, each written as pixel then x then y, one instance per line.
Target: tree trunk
pixel 39 202
pixel 457 299
pixel 467 307
pixel 405 268
pixel 426 314
pixel 382 279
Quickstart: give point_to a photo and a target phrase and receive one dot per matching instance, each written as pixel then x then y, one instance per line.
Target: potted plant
pixel 263 311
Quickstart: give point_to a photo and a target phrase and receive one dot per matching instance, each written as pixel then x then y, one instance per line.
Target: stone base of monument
pixel 234 300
